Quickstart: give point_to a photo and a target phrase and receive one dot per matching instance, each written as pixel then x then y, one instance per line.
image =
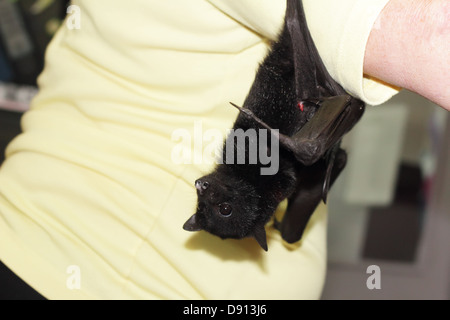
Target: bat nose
pixel 201 186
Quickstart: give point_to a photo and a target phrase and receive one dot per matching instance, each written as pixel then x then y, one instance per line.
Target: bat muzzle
pixel 201 186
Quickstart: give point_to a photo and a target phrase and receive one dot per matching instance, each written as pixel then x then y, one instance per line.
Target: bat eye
pixel 225 209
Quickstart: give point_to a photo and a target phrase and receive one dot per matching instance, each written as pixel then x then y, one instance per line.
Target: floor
pixel 393 232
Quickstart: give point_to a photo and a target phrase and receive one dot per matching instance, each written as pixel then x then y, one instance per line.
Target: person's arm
pixel 409 47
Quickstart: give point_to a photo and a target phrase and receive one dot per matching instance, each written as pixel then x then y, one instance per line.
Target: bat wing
pixel 307 196
pixel 334 118
pixel 312 79
pixel 316 144
pixel 337 111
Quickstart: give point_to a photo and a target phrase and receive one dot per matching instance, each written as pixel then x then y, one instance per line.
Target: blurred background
pixel 390 207
pixel 26 27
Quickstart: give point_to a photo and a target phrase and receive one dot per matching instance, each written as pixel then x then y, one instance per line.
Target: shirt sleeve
pixel 340 30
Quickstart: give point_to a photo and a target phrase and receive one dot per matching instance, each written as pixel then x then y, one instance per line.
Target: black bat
pixel 294 93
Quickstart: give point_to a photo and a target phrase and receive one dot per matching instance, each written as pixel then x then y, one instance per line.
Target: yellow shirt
pixel 91 202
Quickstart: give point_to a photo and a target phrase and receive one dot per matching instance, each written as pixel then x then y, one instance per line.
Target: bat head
pixel 228 207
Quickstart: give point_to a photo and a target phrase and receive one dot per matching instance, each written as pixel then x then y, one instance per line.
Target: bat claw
pixel 324 196
pixel 237 107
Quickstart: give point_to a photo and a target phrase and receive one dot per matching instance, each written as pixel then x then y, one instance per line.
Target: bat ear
pixel 192 224
pixel 260 235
